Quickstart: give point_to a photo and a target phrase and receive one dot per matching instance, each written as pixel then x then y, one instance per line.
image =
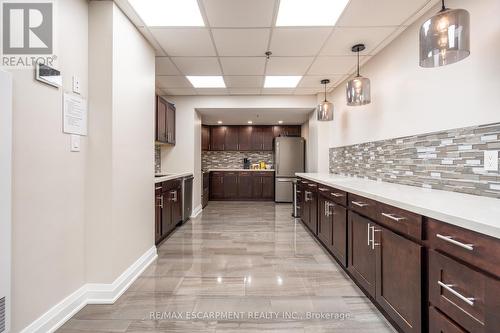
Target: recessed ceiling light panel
pixel 207 81
pixel 281 81
pixel 303 13
pixel 168 13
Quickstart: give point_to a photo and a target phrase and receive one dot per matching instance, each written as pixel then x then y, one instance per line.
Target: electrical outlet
pixel 76 84
pixel 491 160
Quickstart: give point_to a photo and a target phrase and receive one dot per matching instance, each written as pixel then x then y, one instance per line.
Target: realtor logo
pixel 27 28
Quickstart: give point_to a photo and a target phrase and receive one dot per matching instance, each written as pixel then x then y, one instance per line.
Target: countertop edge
pixel 172 177
pixel 243 170
pixel 453 219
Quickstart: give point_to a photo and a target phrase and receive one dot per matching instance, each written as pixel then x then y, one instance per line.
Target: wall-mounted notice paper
pixel 75 114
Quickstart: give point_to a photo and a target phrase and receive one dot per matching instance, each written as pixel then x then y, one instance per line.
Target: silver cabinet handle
pixel 158 188
pixel 450 239
pixel 161 201
pixel 323 189
pixel 393 217
pixel 336 195
pixel 174 196
pixel 449 287
pixel 299 191
pixel 368 233
pixel 359 204
pixel 307 196
pixel 373 237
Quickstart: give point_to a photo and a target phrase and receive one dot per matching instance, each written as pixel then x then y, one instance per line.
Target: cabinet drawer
pixel 439 323
pixel 470 298
pixel 398 219
pixel 171 184
pixel 334 195
pixel 476 249
pixel 364 206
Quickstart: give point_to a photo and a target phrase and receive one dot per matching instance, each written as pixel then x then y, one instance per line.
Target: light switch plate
pixel 75 143
pixel 76 84
pixel 491 160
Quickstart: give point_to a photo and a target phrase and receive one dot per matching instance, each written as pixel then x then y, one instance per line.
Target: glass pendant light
pixel 445 38
pixel 358 88
pixel 325 108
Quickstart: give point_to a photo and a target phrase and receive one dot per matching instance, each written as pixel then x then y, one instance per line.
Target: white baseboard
pixel 90 293
pixel 196 211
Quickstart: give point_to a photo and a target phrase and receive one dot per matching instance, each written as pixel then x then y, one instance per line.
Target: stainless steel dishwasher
pixel 187 197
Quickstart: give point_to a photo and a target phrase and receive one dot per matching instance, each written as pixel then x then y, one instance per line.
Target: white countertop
pixel 255 170
pixel 480 214
pixel 170 176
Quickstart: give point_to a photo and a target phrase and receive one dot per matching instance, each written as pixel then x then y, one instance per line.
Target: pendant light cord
pixel 325 92
pixel 443 8
pixel 358 63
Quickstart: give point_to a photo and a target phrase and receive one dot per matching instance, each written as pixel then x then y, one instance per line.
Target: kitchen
pixel 264 165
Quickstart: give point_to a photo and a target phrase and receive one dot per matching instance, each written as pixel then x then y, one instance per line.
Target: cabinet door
pixel 292 131
pixel 267 138
pixel 325 211
pixel 398 291
pixel 256 186
pixel 217 137
pixel 161 120
pixel 170 123
pixel 176 199
pixel 216 185
pixel 158 216
pixel 268 187
pixel 278 131
pixel 166 214
pixel 257 143
pixel 439 323
pixel 230 185
pixel 231 138
pixel 339 234
pixel 205 138
pixel 313 211
pixel 306 206
pixel 245 138
pixel 245 184
pixel 361 255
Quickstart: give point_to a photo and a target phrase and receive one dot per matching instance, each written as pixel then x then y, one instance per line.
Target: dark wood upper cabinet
pixel 399 283
pixel 245 135
pixel 361 255
pixel 231 138
pixel 165 121
pixel 217 137
pixel 257 140
pixel 267 138
pixel 205 137
pixel 286 130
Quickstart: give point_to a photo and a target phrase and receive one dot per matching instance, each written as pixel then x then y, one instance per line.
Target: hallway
pixel 238 259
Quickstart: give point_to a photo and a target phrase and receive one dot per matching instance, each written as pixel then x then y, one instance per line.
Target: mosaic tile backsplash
pixel 157 159
pixel 232 159
pixel 449 160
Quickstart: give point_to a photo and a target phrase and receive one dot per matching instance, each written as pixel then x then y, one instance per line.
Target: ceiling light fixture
pixel 250 122
pixel 358 88
pixel 168 13
pixel 302 13
pixel 280 121
pixel 282 81
pixel 219 122
pixel 207 81
pixel 445 38
pixel 325 108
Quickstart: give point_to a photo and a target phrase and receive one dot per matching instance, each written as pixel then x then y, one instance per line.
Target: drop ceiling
pixel 258 116
pixel 237 33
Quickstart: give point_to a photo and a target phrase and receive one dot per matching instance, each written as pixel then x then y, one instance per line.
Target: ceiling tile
pixel 198 65
pixel 241 42
pixel 171 81
pixel 244 81
pixel 288 65
pixel 244 91
pixel 362 13
pixel 333 65
pixel 311 81
pixel 342 39
pixel 278 91
pixel 165 66
pixel 179 91
pixel 239 13
pixel 212 91
pixel 298 41
pixel 243 65
pixel 184 41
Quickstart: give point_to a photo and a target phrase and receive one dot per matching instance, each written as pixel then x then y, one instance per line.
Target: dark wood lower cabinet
pixel 398 278
pixel 310 208
pixel 168 212
pixel 361 254
pixel 439 323
pixel 242 185
pixel 325 218
pixel 339 231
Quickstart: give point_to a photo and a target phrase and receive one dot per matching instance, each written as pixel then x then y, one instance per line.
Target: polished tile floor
pixel 238 267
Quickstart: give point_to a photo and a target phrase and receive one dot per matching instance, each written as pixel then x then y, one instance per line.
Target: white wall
pixel 180 158
pixel 408 99
pixel 5 189
pixel 120 210
pixel 48 194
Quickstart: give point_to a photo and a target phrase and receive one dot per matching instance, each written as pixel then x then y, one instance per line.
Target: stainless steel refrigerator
pixel 288 159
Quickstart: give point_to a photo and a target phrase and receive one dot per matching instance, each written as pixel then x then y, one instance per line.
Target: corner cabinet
pixel 165 121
